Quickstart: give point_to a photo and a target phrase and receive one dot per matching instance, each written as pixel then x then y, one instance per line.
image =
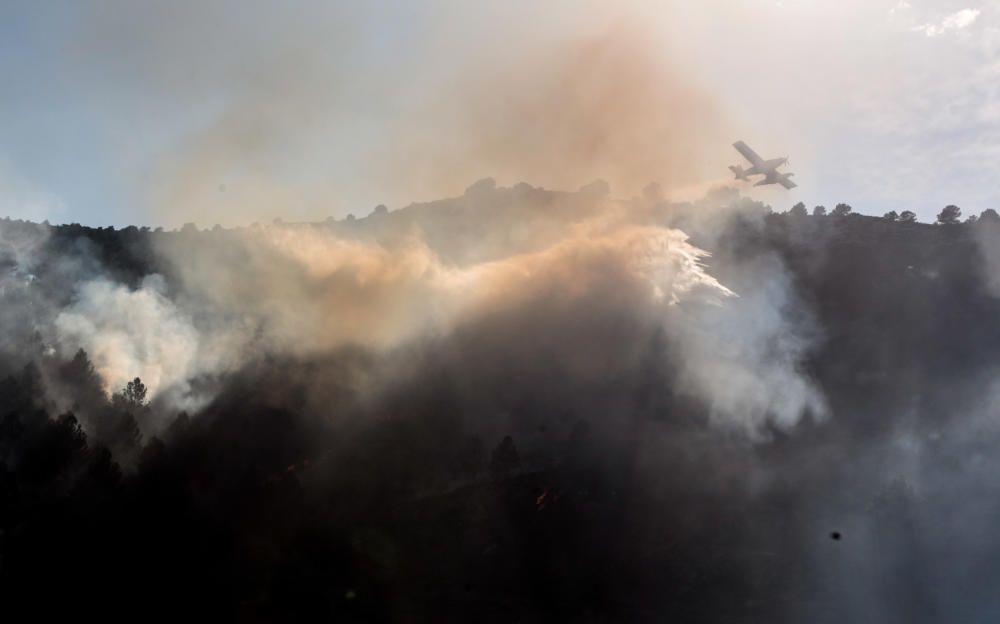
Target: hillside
pixel 478 409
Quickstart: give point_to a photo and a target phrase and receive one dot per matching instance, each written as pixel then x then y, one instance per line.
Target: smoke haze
pixel 623 394
pixel 604 388
pixel 609 106
pixel 529 257
pixel 302 115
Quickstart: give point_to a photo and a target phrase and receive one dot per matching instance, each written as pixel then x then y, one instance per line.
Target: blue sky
pixel 232 112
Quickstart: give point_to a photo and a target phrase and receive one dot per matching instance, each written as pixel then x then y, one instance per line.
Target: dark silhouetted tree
pixel 908 216
pixel 120 432
pixel 989 215
pixel 479 188
pixel 79 370
pixel 798 210
pixel 132 396
pixel 841 210
pixel 892 215
pixel 118 427
pixel 84 383
pixel 819 211
pixel 972 219
pixel 949 215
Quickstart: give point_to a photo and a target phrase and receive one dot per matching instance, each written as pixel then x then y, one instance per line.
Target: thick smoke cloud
pixel 429 272
pixel 304 291
pixel 597 408
pixel 131 333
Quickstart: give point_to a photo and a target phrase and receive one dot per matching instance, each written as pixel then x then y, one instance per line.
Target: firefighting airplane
pixel 759 166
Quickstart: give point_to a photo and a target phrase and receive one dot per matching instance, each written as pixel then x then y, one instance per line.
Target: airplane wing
pixel 749 154
pixel 784 180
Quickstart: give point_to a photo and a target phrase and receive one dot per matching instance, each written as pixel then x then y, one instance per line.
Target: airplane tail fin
pixel 739 172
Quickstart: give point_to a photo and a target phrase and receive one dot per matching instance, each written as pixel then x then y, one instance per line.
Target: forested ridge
pixel 286 496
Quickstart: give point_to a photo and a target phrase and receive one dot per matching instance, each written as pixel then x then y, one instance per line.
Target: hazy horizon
pixel 223 112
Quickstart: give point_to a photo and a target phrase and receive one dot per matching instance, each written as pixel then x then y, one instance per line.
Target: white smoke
pixel 131 333
pixel 743 357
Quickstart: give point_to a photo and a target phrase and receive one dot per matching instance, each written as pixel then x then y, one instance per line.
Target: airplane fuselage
pixel 771 166
pixel 759 166
pixel 766 168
